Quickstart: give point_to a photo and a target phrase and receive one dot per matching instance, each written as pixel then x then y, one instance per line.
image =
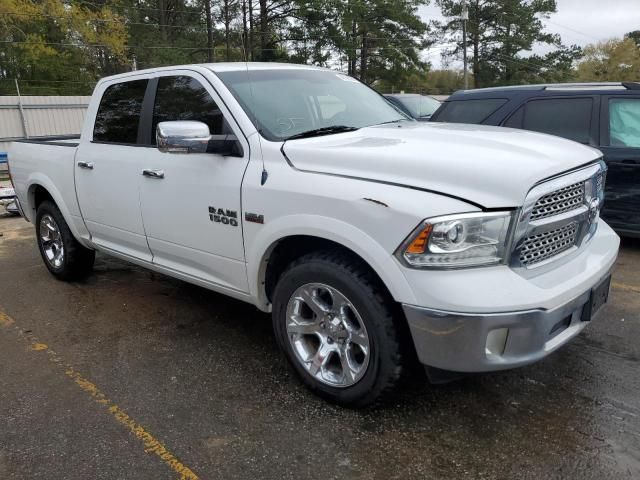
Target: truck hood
pixel 492 167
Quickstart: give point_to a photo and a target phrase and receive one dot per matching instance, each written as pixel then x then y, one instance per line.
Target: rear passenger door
pixel 620 133
pixel 192 214
pixel 107 170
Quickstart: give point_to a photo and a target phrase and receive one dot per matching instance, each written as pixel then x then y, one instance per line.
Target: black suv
pixel 603 115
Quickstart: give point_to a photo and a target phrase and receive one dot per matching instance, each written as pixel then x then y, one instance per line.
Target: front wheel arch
pixel 317 232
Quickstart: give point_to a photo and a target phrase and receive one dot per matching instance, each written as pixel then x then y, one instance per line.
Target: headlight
pixel 456 241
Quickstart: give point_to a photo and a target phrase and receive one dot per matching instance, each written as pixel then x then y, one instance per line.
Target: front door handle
pixel 159 174
pixel 87 165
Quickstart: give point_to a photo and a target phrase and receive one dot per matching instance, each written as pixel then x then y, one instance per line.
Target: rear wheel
pixel 63 255
pixel 335 324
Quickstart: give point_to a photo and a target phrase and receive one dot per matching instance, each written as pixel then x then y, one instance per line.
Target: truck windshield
pixel 287 102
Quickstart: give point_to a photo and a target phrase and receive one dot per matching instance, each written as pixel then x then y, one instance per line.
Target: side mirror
pixel 182 137
pixel 187 136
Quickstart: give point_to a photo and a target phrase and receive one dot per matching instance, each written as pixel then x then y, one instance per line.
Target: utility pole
pixel 25 130
pixel 464 16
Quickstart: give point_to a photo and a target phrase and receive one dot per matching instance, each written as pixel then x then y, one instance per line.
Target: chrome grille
pixel 559 201
pixel 537 248
pixel 600 183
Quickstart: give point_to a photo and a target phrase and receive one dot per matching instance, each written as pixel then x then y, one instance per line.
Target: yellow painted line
pixel 625 287
pixel 151 444
pixel 5 320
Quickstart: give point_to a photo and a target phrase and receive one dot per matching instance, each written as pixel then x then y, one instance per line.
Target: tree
pixel 50 44
pixel 635 36
pixel 376 39
pixel 612 60
pixel 498 31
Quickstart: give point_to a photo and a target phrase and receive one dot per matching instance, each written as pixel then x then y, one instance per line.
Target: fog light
pixel 496 341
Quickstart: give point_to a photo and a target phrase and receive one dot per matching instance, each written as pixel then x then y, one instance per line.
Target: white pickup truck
pixel 371 238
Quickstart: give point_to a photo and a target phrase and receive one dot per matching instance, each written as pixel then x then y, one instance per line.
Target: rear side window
pixel 624 122
pixel 469 111
pixel 119 113
pixel 184 98
pixel 565 117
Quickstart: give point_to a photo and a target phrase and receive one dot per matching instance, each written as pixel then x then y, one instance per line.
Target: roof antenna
pixel 265 174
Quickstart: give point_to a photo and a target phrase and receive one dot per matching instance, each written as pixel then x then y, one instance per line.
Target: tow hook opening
pixel 496 342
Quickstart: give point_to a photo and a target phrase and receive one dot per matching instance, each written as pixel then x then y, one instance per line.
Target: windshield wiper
pixel 322 131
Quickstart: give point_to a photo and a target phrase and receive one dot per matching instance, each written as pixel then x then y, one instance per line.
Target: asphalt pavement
pixel 134 375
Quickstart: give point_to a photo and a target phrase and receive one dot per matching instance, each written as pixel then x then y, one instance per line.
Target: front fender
pixel 266 238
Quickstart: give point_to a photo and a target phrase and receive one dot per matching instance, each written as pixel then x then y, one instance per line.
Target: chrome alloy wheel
pixel 51 241
pixel 327 335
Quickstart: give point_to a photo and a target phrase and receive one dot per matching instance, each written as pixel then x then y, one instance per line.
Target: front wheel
pixel 63 255
pixel 335 324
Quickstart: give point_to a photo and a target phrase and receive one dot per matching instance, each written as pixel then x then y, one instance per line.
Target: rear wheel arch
pixel 40 190
pixel 37 195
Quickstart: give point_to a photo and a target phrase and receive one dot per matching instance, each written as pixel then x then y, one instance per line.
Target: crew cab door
pixel 107 170
pixel 191 202
pixel 620 138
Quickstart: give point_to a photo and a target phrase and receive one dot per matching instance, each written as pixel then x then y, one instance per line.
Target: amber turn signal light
pixel 419 244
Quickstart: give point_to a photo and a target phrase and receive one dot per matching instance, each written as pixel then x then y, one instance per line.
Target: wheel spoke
pixel 314 303
pixel 320 359
pixel 348 374
pixel 359 337
pixel 302 327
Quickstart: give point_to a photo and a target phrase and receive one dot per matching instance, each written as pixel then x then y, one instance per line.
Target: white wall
pixel 43 115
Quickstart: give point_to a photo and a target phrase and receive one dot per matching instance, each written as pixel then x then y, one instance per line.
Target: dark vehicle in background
pixel 603 115
pixel 415 105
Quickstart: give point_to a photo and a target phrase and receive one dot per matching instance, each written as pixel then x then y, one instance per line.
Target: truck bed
pixel 48 162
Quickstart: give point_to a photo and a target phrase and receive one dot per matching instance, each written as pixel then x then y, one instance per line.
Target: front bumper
pixel 459 341
pixel 460 331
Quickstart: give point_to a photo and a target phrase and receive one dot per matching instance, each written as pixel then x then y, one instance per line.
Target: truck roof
pixel 221 67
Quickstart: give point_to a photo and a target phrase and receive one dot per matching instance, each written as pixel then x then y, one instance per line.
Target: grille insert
pixel 537 248
pixel 563 200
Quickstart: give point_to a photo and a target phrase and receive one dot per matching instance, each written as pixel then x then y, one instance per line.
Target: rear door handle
pixel 159 174
pixel 87 165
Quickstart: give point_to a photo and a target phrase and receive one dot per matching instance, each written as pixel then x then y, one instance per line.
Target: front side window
pixel 469 111
pixel 184 98
pixel 565 117
pixel 119 113
pixel 624 122
pixel 286 102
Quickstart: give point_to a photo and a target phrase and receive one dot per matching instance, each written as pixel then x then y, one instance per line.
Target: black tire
pixel 362 288
pixel 77 260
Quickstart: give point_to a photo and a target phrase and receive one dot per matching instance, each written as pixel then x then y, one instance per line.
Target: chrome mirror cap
pixel 183 136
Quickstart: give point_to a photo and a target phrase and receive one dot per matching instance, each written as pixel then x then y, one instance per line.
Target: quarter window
pixel 469 111
pixel 184 98
pixel 565 117
pixel 624 122
pixel 119 113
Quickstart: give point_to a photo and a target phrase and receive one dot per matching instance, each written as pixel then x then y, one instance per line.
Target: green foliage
pixel 612 60
pixel 64 46
pixel 499 31
pixel 635 36
pixel 433 82
pixel 50 44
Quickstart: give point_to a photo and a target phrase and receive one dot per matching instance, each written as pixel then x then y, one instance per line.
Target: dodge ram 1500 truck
pixel 372 239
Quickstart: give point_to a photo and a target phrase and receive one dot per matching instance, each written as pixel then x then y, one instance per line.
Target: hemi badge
pixel 253 217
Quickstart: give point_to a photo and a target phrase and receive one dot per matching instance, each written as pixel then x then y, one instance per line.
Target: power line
pixel 573 30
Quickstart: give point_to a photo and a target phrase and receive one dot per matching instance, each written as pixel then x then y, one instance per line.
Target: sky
pixel 577 22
